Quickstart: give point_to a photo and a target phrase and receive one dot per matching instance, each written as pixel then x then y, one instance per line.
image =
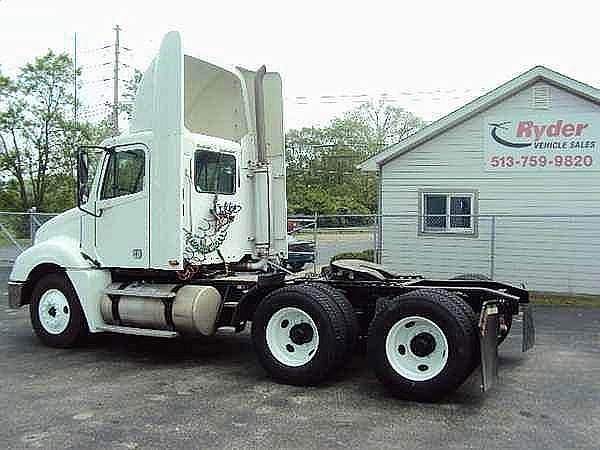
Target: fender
pixel 61 251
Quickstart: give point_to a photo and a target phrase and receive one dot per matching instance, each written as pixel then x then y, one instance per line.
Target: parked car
pixel 300 253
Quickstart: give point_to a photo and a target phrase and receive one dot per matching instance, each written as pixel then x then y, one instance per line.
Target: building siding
pixel 548 254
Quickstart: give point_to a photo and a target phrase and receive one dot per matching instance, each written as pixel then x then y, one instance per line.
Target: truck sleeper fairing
pixel 193 106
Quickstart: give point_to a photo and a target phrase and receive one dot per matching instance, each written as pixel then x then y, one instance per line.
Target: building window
pixel 447 212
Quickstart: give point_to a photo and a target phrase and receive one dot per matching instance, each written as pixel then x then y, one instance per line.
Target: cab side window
pixel 124 174
pixel 215 173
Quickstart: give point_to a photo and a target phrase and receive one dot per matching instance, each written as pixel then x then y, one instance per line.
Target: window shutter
pixel 541 97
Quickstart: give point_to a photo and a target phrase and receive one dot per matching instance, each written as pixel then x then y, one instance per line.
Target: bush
pixel 365 255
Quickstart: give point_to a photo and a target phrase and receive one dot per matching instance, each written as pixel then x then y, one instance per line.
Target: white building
pixel 507 185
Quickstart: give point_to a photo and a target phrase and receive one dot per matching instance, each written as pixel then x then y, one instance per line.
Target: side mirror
pixel 82 176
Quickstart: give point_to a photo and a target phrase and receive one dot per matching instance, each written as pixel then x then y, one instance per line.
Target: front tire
pixel 56 314
pixel 299 335
pixel 422 345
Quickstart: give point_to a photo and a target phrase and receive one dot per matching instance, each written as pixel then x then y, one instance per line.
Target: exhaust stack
pixel 262 171
pixel 259 101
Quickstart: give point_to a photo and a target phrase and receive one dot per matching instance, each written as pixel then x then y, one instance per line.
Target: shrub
pixel 365 255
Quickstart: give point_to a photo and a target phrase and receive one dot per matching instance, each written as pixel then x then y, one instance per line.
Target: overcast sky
pixel 428 57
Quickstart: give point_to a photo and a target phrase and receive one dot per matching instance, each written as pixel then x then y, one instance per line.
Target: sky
pixel 427 57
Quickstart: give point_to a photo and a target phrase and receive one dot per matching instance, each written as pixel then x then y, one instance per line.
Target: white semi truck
pixel 180 230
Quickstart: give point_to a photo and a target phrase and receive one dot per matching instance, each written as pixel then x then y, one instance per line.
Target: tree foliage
pixel 38 139
pixel 38 136
pixel 131 87
pixel 321 162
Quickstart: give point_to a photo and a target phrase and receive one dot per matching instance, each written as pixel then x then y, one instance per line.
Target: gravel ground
pixel 133 392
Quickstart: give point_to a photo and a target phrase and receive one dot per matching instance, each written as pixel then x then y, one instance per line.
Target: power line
pixel 436 95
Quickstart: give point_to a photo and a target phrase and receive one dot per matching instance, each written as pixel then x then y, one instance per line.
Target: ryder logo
pixel 534 132
pixel 502 141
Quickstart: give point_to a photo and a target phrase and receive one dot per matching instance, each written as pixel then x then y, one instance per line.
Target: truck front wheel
pixel 56 315
pixel 299 335
pixel 422 345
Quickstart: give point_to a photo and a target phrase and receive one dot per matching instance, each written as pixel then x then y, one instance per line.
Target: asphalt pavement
pixel 134 392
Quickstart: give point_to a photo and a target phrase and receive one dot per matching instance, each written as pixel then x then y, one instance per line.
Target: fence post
pixel 32 210
pixel 316 250
pixel 375 233
pixel 493 248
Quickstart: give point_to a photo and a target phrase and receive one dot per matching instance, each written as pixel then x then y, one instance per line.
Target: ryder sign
pixel 543 141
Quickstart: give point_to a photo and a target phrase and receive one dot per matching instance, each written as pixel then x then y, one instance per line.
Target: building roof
pixel 526 79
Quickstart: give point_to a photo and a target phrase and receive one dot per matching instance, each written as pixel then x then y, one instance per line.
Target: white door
pixel 122 228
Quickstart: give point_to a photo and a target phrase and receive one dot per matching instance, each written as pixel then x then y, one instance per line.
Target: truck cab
pixel 198 182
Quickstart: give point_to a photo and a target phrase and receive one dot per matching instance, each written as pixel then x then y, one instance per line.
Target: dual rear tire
pixel 302 334
pixel 421 345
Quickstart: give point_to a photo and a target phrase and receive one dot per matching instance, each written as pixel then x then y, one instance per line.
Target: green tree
pixel 4 84
pixel 321 162
pixel 33 124
pixel 38 137
pixel 131 87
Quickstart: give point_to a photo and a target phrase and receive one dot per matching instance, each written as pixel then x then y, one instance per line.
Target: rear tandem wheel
pixel 422 344
pixel 300 335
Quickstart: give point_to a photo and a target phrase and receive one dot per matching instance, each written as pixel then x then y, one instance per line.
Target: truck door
pixel 122 227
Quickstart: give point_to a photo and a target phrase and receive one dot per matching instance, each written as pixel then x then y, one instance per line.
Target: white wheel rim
pixel 416 348
pixel 54 311
pixel 292 337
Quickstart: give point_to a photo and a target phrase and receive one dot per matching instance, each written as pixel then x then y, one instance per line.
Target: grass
pixel 549 298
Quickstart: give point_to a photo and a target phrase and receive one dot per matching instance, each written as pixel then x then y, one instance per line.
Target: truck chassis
pixel 423 337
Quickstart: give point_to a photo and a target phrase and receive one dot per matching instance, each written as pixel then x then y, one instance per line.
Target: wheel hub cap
pixel 422 344
pixel 54 311
pixel 292 337
pixel 301 334
pixel 416 348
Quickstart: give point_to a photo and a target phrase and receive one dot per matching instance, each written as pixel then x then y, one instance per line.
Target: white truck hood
pixel 65 224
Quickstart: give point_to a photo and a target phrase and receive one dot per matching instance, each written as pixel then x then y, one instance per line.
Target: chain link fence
pixel 17 231
pixel 558 254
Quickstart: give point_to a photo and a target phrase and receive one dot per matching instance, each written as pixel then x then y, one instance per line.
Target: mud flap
pixel 528 328
pixel 489 325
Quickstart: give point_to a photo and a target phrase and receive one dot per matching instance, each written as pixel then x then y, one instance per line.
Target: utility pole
pixel 116 84
pixel 75 79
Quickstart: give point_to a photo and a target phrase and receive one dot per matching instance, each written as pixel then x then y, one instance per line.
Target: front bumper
pixel 15 289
